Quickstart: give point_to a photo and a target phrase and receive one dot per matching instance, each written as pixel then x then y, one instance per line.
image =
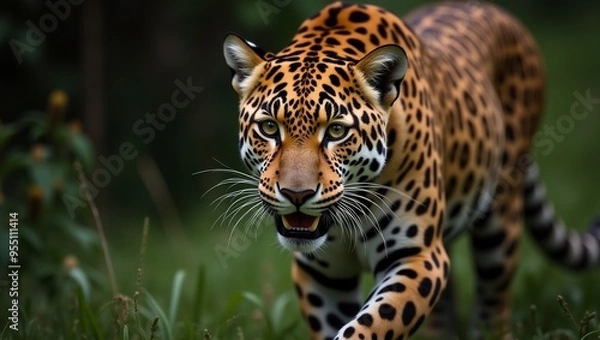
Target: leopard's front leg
pixel 405 294
pixel 410 277
pixel 329 292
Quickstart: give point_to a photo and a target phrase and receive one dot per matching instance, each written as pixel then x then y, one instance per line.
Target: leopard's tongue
pixel 300 222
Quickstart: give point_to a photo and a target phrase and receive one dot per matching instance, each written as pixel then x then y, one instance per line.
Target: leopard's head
pixel 311 126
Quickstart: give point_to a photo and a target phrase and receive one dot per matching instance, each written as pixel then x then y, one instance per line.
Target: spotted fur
pixel 377 140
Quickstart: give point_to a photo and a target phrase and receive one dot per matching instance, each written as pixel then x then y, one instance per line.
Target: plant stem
pixel 99 227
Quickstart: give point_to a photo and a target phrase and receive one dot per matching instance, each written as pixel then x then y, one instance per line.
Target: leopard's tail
pixel 572 249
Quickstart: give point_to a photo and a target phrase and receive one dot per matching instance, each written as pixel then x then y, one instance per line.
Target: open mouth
pixel 299 225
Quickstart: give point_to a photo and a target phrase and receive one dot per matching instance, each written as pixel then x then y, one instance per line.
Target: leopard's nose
pixel 297 197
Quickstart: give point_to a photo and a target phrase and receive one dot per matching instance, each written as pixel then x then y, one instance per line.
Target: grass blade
pixel 88 319
pixel 161 315
pixel 175 296
pixel 199 294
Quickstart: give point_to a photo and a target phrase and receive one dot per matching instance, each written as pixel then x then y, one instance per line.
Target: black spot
pixel 342 73
pixel 489 241
pixel 348 309
pixel 365 320
pixel 328 89
pixel 385 245
pixel 332 41
pixel 412 231
pixel 409 312
pixel 373 39
pixel 315 300
pixel 381 30
pixel 450 186
pixel 314 323
pixel 464 156
pixel 470 103
pixel 335 81
pixel 374 166
pixel 344 284
pixel 417 325
pixel 468 184
pixel 334 321
pixel 359 45
pixel 396 287
pixel 428 236
pixel 349 332
pixel 387 311
pixel 411 274
pixel 425 287
pixel 422 208
pixel 490 273
pixel 298 291
pixel 359 16
pixel 509 132
pixel 332 18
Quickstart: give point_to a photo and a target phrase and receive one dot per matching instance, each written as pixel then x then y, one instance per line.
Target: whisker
pixel 231 195
pixel 232 182
pixel 232 211
pixel 375 186
pixel 228 171
pixel 239 220
pixel 357 203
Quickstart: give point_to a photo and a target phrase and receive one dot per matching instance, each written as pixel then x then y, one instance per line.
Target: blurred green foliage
pixel 37 173
pixel 38 151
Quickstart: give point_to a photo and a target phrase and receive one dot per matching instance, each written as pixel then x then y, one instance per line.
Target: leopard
pixel 373 142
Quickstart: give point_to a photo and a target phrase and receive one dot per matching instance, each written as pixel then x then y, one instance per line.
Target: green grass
pixel 249 296
pixel 183 289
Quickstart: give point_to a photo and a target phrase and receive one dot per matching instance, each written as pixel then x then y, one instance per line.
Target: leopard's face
pixel 309 130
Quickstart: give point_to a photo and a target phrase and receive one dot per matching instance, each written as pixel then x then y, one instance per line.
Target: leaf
pixel 43 174
pixel 88 320
pixel 32 237
pixel 278 310
pixel 79 276
pixel 161 314
pixel 199 294
pixel 175 296
pixel 82 149
pixel 125 333
pixel 254 299
pixel 37 131
pixel 85 237
pixel 230 307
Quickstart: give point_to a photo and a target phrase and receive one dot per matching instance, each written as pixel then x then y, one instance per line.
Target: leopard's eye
pixel 336 131
pixel 269 128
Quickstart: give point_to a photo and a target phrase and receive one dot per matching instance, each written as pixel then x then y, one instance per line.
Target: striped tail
pixel 572 249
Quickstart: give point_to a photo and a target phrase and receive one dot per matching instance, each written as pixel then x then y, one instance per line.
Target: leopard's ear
pixel 242 57
pixel 383 70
